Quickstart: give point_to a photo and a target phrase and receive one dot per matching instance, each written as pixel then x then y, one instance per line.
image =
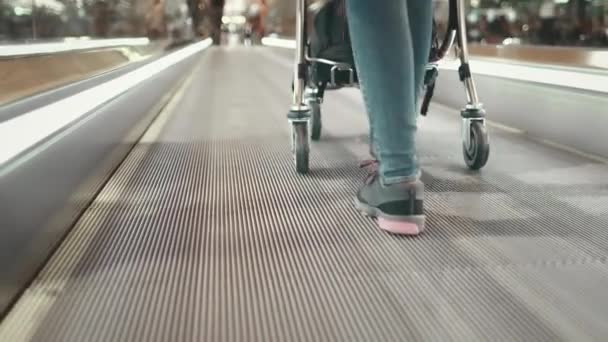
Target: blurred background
pixel 164 161
pixel 538 22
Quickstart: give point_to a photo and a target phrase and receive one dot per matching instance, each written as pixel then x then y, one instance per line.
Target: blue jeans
pixel 391 43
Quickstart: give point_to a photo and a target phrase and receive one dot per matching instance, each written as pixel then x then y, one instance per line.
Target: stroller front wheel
pixel 300 145
pixel 477 153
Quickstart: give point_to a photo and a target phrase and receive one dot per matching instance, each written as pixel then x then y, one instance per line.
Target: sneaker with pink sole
pixel 399 207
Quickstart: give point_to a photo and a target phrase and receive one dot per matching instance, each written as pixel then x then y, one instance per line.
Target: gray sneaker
pixel 397 207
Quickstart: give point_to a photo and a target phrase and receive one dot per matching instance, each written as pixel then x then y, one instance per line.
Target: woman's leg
pixel 390 63
pixel 383 49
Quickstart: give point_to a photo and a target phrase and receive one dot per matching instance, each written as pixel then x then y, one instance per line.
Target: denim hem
pixel 400 179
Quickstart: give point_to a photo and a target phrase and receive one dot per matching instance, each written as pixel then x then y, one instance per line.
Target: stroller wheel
pixel 300 145
pixel 477 153
pixel 315 120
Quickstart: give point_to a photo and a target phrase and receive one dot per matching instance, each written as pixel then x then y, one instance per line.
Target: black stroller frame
pixel 305 112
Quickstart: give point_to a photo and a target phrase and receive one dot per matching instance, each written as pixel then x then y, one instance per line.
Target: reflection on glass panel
pixel 539 22
pixel 16 20
pixel 27 20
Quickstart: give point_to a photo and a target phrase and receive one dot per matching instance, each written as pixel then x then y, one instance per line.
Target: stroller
pixel 324 61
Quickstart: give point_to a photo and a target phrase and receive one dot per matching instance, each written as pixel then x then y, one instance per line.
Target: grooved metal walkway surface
pixel 206 233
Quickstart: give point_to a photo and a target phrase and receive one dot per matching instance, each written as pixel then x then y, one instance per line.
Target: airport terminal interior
pixel 169 172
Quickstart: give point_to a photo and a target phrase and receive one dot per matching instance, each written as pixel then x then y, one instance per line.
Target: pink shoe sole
pixel 399 227
pixel 410 225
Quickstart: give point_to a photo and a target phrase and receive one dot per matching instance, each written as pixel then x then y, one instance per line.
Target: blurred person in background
pixel 548 18
pixel 577 33
pixel 498 30
pixel 215 12
pixel 477 33
pixel 598 27
pixel 258 11
pixel 101 18
pixel 156 21
pixel 196 10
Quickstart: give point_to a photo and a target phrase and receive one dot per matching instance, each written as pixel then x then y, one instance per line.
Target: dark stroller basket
pixel 329 48
pixel 330 52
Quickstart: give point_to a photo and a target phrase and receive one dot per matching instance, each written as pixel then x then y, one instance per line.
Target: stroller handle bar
pixel 300 64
